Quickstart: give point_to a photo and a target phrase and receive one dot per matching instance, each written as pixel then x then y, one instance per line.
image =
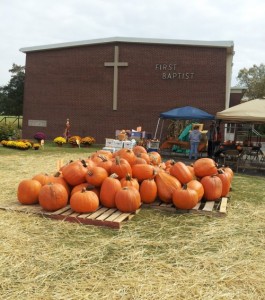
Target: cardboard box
pixel 153 144
pixel 109 142
pixel 129 144
pixel 196 124
pixel 118 144
pixel 136 135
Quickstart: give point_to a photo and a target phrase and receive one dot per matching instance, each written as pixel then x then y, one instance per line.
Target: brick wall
pixel 74 83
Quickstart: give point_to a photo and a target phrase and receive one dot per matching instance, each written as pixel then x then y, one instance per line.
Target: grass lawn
pixel 156 255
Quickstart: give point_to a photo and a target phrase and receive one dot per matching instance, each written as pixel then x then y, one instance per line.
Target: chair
pixel 231 158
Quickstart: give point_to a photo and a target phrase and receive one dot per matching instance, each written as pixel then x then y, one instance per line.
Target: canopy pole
pixel 157 127
pixel 161 130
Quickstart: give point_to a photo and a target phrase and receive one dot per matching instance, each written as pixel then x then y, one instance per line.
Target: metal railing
pixel 13 120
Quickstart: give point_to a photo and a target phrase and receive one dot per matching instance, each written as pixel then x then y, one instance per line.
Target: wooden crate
pixel 104 216
pixel 216 208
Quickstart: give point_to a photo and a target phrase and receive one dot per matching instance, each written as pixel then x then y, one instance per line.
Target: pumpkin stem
pixel 83 163
pixel 57 174
pixel 89 188
pixel 117 160
pixel 102 157
pixel 128 177
pixel 184 187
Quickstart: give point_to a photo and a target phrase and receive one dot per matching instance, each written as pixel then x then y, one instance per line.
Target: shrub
pixel 9 132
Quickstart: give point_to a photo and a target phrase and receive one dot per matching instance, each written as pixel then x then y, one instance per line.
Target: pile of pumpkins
pixel 124 180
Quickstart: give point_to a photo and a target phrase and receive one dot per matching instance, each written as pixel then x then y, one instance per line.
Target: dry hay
pixel 157 255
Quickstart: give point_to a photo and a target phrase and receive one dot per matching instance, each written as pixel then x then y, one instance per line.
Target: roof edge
pixel 219 44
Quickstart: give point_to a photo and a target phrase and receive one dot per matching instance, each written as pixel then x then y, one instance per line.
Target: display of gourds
pixel 124 180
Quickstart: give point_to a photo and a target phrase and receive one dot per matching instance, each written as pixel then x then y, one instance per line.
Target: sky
pixel 29 23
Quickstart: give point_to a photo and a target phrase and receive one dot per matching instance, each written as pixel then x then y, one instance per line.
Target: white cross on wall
pixel 115 64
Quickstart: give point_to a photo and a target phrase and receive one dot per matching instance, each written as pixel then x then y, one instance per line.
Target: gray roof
pixel 218 44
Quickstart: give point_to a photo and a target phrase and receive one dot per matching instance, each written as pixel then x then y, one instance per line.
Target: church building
pixel 116 83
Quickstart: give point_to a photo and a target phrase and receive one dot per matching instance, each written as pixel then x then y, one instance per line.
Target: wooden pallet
pixel 211 208
pixel 103 216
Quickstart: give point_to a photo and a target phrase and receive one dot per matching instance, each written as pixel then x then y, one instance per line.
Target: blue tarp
pixel 187 113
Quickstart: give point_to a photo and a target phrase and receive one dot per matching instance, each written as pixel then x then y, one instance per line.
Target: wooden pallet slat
pixel 103 216
pixel 213 208
pixel 112 217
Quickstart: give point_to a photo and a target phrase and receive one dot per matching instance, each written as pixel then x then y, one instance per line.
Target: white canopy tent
pixel 252 111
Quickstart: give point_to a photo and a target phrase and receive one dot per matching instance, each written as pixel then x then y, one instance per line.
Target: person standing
pixel 194 137
pixel 67 130
pixel 210 138
pixel 214 139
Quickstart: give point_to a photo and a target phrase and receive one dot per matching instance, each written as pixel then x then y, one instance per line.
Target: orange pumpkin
pixel 197 186
pixel 128 199
pixel 121 167
pixel 127 154
pixel 87 186
pixel 148 190
pixel 105 163
pixel 166 184
pixel 96 176
pixel 108 190
pixel 212 187
pixel 28 191
pixel 143 171
pixel 145 156
pixel 139 160
pixel 74 173
pixel 181 172
pixel 84 201
pixel 139 149
pixel 129 181
pixel 53 196
pixel 185 198
pixel 58 178
pixel 204 167
pixel 155 158
pixel 43 178
pixel 230 172
pixel 226 182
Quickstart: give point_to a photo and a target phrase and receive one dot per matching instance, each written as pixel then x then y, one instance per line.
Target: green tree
pixel 11 95
pixel 254 80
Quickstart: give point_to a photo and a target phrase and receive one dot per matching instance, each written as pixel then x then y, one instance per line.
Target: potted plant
pixel 39 136
pixel 87 141
pixel 59 141
pixel 74 140
pixel 36 146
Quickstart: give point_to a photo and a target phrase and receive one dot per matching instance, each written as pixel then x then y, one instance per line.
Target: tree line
pixel 11 95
